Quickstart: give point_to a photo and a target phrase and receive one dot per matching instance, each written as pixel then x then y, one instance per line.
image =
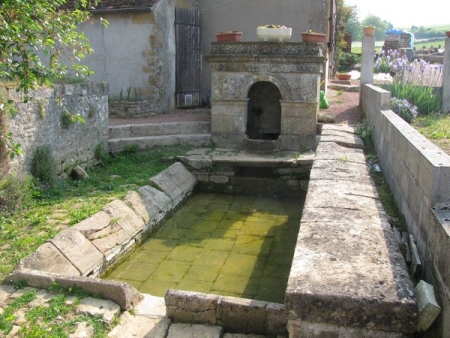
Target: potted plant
pixel 369 30
pixel 274 33
pixel 311 36
pixel 343 76
pixel 447 33
pixel 227 36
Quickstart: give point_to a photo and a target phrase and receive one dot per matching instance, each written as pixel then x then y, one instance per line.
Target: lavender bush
pixel 404 109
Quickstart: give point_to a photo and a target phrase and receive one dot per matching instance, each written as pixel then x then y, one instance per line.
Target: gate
pixel 188 60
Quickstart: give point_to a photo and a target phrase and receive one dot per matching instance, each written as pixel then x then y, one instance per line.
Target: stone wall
pixel 39 122
pixel 418 173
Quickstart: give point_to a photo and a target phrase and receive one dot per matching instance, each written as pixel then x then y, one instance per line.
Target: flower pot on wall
pixel 229 36
pixel 369 30
pixel 313 37
pixel 274 33
pixel 343 76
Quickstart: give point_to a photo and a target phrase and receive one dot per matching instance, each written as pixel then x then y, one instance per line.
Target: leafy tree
pixel 39 41
pixel 353 25
pixel 343 13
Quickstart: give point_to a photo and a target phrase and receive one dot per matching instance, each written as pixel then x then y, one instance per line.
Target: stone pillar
pixel 367 62
pixel 446 79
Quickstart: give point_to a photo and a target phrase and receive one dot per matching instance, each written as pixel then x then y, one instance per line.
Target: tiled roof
pixel 117 4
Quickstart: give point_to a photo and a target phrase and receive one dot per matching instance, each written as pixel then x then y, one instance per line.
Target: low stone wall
pixel 236 315
pixel 418 173
pixel 348 276
pixel 133 109
pixel 39 122
pixel 88 248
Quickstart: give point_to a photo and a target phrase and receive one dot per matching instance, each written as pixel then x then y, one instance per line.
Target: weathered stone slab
pixel 196 161
pixel 180 330
pixel 243 315
pixel 428 307
pixel 49 259
pixel 78 250
pixel 341 195
pixel 164 183
pixel 276 319
pixel 334 151
pixel 340 170
pixel 343 138
pixel 34 278
pixel 5 292
pixel 123 294
pixel 140 326
pixel 125 217
pixel 182 177
pixel 93 224
pixel 151 306
pixel 136 202
pixel 191 307
pixel 154 199
pixel 107 309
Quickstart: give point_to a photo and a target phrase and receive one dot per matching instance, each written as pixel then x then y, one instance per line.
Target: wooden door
pixel 188 57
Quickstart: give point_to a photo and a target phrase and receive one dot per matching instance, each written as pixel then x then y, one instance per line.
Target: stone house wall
pixel 39 122
pixel 418 173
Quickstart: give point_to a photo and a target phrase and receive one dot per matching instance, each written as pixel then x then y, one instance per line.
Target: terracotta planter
pixel 344 77
pixel 313 37
pixel 369 31
pixel 229 37
pixel 274 34
pixel 447 33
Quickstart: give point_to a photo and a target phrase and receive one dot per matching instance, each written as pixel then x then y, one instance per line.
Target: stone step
pixel 157 129
pixel 151 142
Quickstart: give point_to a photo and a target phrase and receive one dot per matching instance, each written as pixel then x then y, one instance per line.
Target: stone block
pixel 222 124
pixel 243 315
pixel 218 179
pixel 94 307
pixel 93 224
pixel 125 217
pixel 180 330
pixel 135 201
pixel 140 326
pixel 191 307
pixel 182 177
pixel 125 295
pixel 154 199
pixel 164 183
pixel 79 251
pixel 34 278
pixel 49 259
pixel 276 320
pixel 428 307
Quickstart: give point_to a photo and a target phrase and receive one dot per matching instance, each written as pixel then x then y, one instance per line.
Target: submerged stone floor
pixel 230 245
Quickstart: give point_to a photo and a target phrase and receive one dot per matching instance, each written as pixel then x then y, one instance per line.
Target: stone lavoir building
pixel 152 52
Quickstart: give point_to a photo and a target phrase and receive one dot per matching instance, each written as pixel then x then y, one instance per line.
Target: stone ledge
pixel 233 314
pixel 348 274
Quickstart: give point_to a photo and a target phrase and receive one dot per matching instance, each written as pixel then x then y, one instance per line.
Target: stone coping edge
pixel 234 314
pixel 123 294
pixel 77 256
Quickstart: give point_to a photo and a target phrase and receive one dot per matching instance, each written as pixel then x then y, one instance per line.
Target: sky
pixel 405 13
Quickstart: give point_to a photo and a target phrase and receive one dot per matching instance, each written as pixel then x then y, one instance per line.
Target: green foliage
pixel 421 32
pixel 67 119
pixel 7 317
pixel 347 61
pixel 101 154
pixel 35 35
pixel 434 126
pixel 343 14
pixel 381 25
pixel 131 148
pixel 404 109
pixel 423 97
pixel 14 193
pixel 43 165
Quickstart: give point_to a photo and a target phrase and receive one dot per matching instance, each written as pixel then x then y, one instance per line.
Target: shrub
pixel 404 109
pixel 347 61
pixel 43 165
pixel 14 192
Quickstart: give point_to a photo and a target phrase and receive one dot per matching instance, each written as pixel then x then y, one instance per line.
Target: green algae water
pixel 238 246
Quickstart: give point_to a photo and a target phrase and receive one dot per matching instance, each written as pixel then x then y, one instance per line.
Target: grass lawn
pixel 51 210
pixel 435 127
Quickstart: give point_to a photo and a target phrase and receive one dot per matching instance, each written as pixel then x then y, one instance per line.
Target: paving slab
pixel 107 309
pixel 179 330
pixel 140 326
